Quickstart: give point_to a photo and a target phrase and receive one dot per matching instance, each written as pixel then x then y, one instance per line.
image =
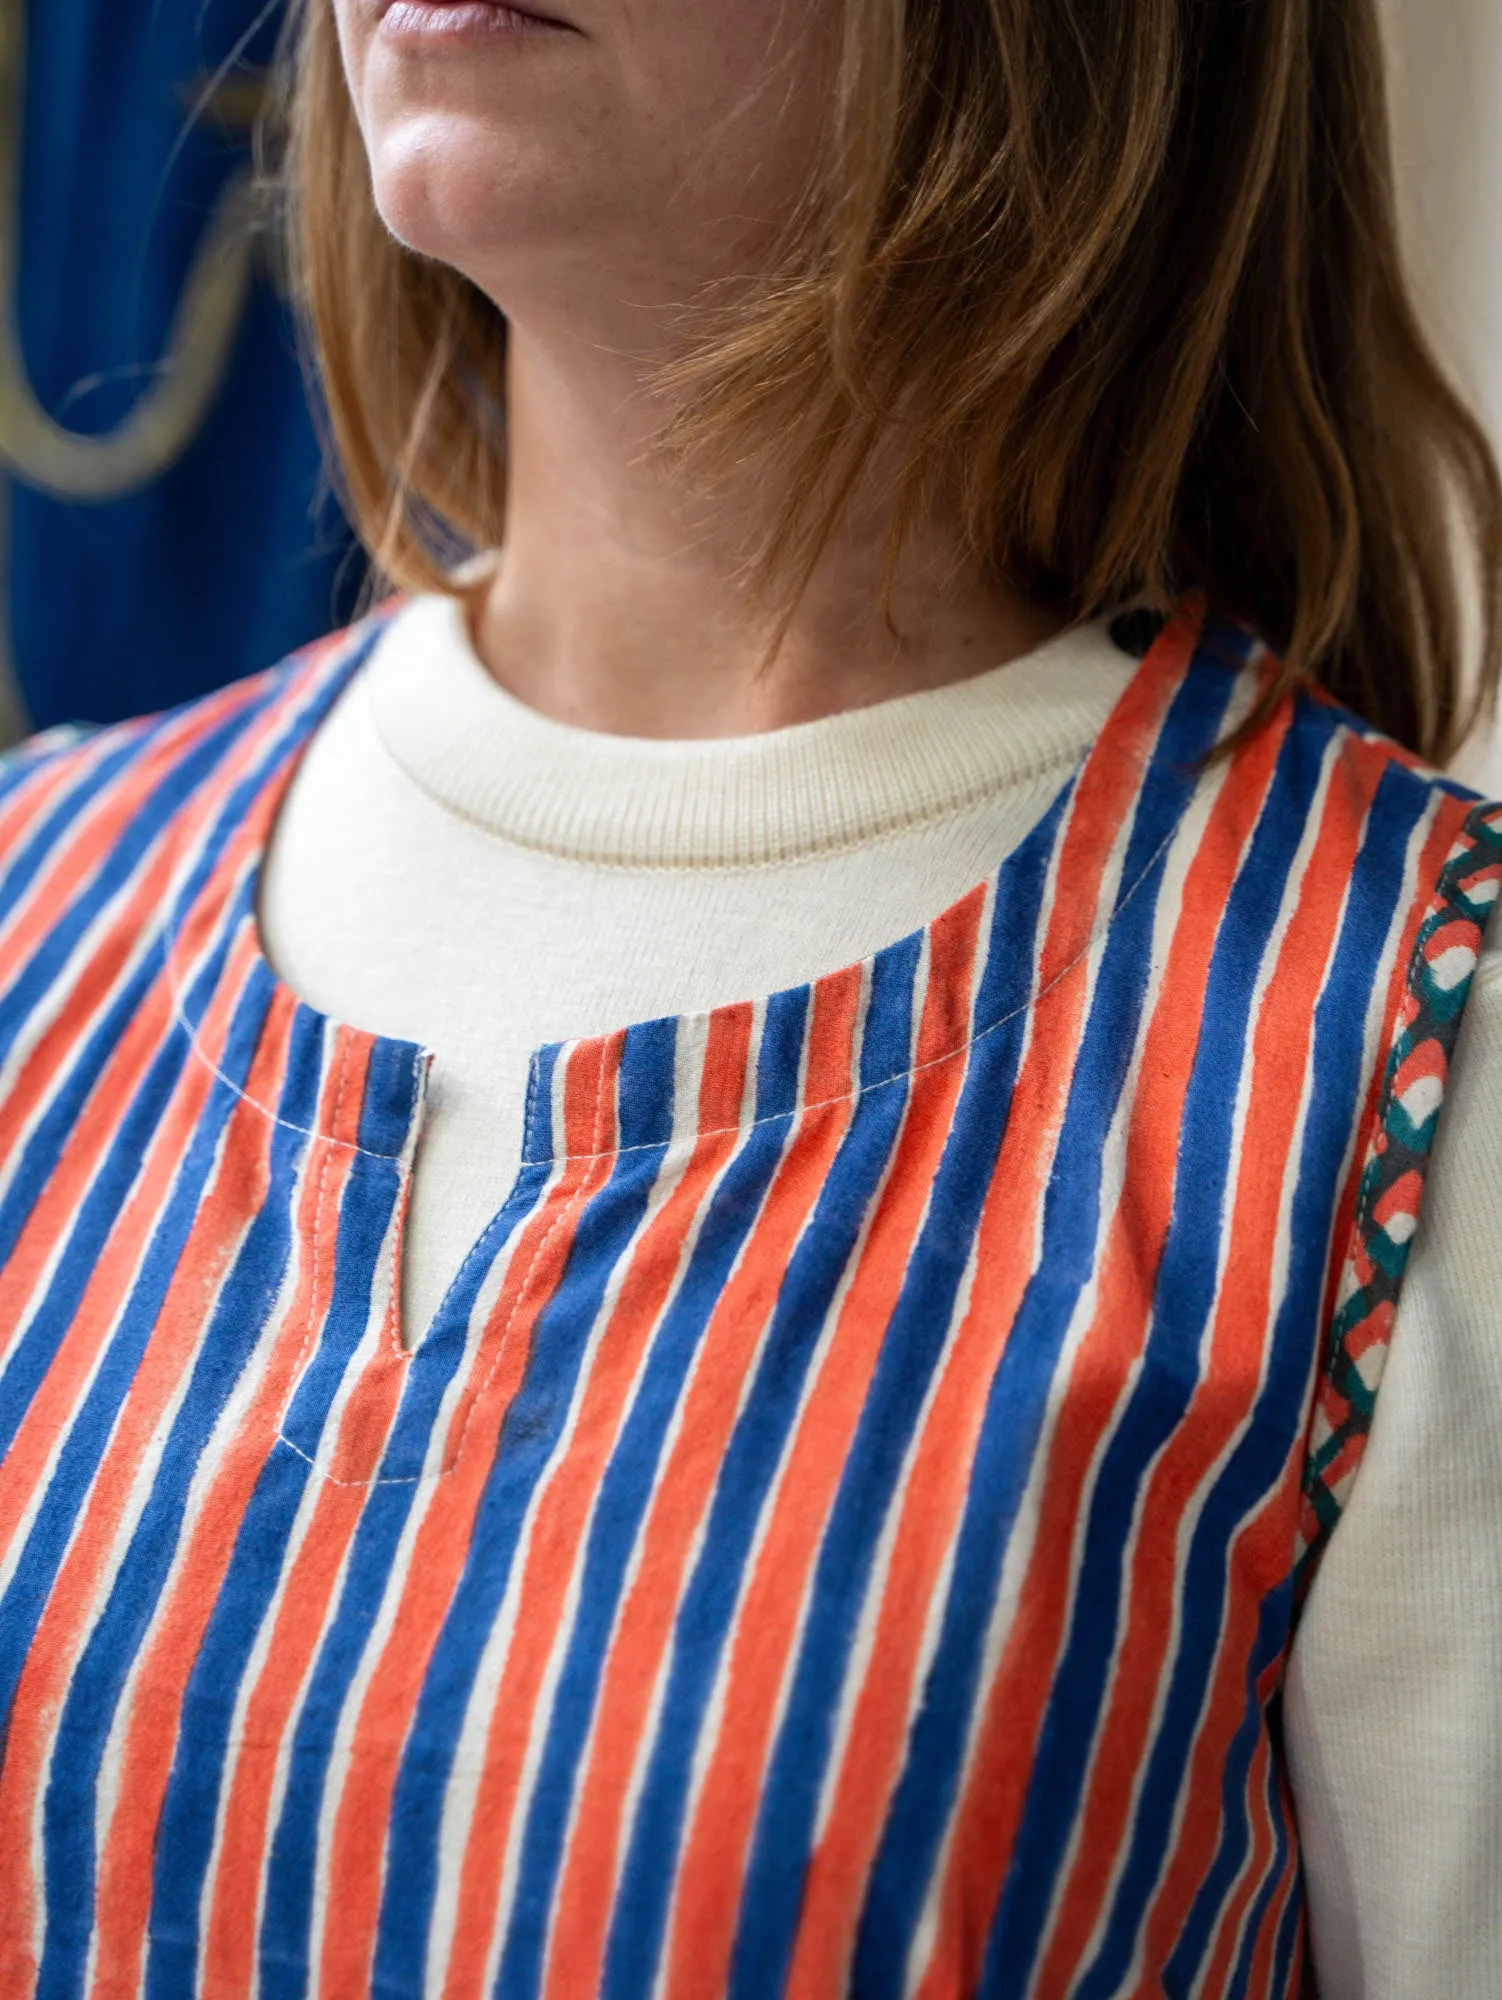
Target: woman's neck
pixel 612 607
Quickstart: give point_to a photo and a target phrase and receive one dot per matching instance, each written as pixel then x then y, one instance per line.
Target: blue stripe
pixel 603 1234
pixel 904 1368
pixel 627 1487
pixel 226 1346
pixel 26 1364
pixel 1278 1415
pixel 277 761
pixel 1338 1049
pixel 1292 1927
pixel 1020 1390
pixel 934 1768
pixel 374 1187
pixel 753 1454
pixel 627 1484
pixel 287 1916
pixel 154 821
pixel 1259 1457
pixel 75 743
pixel 393 1088
pixel 1194 1941
pixel 1277 1615
pixel 98 771
pixel 371 1190
pixel 90 1430
pixel 537 1135
pixel 1185 1290
pixel 185 1835
pixel 31 987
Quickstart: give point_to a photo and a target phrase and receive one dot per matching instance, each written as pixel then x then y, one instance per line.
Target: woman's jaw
pixel 590 161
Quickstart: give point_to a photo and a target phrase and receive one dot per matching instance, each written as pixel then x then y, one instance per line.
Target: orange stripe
pixel 79 858
pixel 53 774
pixel 244 847
pixel 441 1544
pixel 565 1507
pixel 140 1043
pixel 1263 1966
pixel 765 1632
pixel 1232 1375
pixel 1102 1366
pixel 168 1657
pixel 63 1629
pixel 80 1154
pixel 339 1500
pixel 686 1482
pixel 49 1414
pixel 1271 1550
pixel 25 807
pixel 1223 1955
pixel 1261 1553
pixel 89 1140
pixel 929 1510
pixel 81 849
pixel 1001 1767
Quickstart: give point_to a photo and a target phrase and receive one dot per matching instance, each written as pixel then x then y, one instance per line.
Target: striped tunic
pixel 844 1528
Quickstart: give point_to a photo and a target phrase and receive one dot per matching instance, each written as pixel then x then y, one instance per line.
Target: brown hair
pixel 1130 271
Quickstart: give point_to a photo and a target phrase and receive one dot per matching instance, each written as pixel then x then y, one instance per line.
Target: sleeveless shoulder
pixel 79 761
pixel 87 811
pixel 1386 870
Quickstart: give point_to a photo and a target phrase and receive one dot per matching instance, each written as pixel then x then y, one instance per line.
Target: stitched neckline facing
pixel 650 1084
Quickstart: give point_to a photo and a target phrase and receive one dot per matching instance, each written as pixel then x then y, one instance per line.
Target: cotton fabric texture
pixel 451 867
pixel 844 1529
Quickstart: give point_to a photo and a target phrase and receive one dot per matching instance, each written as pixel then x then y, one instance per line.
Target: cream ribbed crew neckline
pixel 746 801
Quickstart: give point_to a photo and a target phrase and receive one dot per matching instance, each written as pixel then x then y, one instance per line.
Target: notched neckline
pixel 409 1062
pixel 402 1068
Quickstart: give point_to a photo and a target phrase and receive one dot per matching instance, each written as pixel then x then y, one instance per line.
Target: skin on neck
pixel 590 182
pixel 615 603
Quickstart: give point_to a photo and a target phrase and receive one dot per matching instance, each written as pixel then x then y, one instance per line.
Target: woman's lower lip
pixel 460 20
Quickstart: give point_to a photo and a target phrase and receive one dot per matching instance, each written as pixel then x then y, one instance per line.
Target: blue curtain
pixel 167 524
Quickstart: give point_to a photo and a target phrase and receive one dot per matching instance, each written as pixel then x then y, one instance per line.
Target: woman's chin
pixel 472 205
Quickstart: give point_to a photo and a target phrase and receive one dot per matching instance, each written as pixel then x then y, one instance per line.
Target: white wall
pixel 1447 114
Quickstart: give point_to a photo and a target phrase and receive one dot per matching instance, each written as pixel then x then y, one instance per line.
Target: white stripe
pixel 220 1443
pixel 436 1458
pixel 163 1141
pixel 60 994
pixel 822 1342
pixel 647 1738
pixel 471 1746
pixel 123 1528
pixel 1301 873
pixel 259 1659
pixel 1176 864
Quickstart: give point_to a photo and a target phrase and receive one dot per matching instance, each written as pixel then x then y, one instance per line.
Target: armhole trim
pixel 1393 1174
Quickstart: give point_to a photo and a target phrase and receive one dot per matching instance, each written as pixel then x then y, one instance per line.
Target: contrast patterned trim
pixel 1440 974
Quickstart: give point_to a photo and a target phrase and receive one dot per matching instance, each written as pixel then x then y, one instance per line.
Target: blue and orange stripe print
pixel 843 1530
